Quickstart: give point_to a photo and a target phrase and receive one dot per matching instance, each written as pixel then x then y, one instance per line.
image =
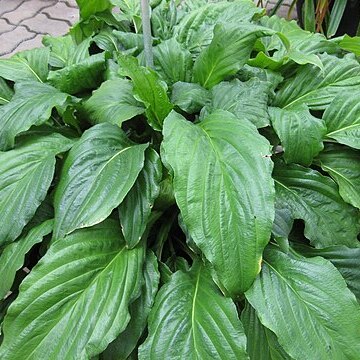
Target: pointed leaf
pixel 12 257
pixel 113 102
pixel 25 176
pixel 27 65
pixel 310 196
pixel 191 319
pixel 316 89
pixel 308 306
pixel 227 213
pixel 229 50
pixel 126 342
pixel 98 173
pixel 84 75
pixel 76 300
pixel 262 343
pixel 148 89
pixel 32 104
pixel 136 208
pixel 6 93
pixel 300 133
pixel 342 118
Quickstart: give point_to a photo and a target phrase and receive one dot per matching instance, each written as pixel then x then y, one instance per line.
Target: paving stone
pixel 42 24
pixel 9 41
pixel 5 27
pixel 70 3
pixel 27 10
pixel 9 5
pixel 28 44
pixel 61 10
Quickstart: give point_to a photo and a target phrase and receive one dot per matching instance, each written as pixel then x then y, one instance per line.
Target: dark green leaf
pixel 32 104
pixel 191 319
pixel 227 213
pixel 6 93
pixel 336 15
pixel 25 176
pixel 91 7
pixel 76 300
pixel 113 102
pixel 310 196
pixel 308 306
pixel 98 173
pixel 135 210
pixel 12 258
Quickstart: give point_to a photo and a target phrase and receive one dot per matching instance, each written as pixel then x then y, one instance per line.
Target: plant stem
pixel 145 12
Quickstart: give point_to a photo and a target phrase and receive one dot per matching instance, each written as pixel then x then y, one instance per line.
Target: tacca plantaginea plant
pixel 207 208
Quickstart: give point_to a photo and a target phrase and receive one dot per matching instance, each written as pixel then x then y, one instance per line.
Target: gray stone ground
pixel 23 23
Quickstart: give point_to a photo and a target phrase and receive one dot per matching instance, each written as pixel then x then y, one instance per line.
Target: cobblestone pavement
pixel 23 23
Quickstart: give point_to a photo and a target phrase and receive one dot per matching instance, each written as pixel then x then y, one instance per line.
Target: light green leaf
pixel 172 61
pixel 244 99
pixel 343 165
pixel 262 343
pixel 135 210
pixel 346 260
pixel 32 104
pixel 25 176
pixel 317 89
pixel 6 93
pixel 125 343
pixel 228 51
pixel 300 133
pixel 76 299
pixel 191 319
pixel 97 174
pixel 129 40
pixel 351 44
pixel 148 89
pixel 12 257
pixel 342 118
pixel 310 196
pixel 190 97
pixel 26 65
pixel 227 213
pixel 308 306
pixel 91 7
pixel 113 102
pixel 85 75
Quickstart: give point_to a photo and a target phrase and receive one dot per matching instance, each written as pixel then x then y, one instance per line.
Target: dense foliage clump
pixel 207 208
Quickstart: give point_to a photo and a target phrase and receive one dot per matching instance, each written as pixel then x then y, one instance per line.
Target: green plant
pixel 204 209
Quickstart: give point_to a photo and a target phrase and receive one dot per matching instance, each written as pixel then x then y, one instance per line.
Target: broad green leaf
pixel 343 164
pixel 6 93
pixel 244 99
pixel 227 213
pixel 25 176
pixel 64 51
pixel 148 89
pixel 173 62
pixel 113 102
pixel 97 174
pixel 130 41
pixel 12 257
pixel 164 18
pixel 342 119
pixel 346 260
pixel 191 319
pixel 135 210
pixel 351 44
pixel 196 29
pixel 262 343
pixel 190 97
pixel 228 51
pixel 76 299
pixel 91 7
pixel 317 89
pixel 32 104
pixel 139 310
pixel 26 65
pixel 308 306
pixel 107 41
pixel 314 198
pixel 300 133
pixel 84 75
